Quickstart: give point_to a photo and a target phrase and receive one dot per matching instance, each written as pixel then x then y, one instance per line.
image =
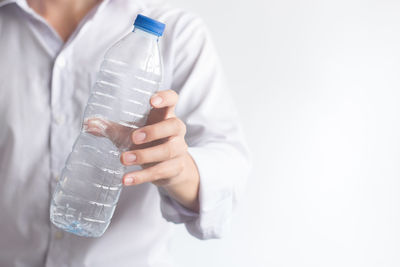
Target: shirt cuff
pixel 215 197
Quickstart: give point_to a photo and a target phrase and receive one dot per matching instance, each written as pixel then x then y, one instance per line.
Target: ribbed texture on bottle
pixel 90 183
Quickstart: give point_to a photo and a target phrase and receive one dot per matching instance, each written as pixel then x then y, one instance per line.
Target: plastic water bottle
pixel 91 181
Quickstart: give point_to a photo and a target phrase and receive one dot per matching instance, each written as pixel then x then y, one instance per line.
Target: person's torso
pixel 43 91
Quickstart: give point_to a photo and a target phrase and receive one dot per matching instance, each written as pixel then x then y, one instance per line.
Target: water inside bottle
pixel 90 183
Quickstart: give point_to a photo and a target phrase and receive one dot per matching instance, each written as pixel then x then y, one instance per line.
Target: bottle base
pixel 78 228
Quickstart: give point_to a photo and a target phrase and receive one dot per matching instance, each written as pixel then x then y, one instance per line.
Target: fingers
pixel 166 128
pixel 157 173
pixel 161 160
pixel 165 99
pixel 162 99
pixel 172 148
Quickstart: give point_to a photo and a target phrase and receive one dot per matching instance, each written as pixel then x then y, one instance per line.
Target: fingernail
pixel 140 136
pixel 128 180
pixel 130 158
pixel 156 100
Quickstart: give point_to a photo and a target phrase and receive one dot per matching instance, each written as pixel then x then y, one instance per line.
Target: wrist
pixel 184 188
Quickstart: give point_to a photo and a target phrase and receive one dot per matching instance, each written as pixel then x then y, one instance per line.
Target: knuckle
pixel 140 156
pixel 175 122
pixel 185 146
pixel 168 149
pixel 148 175
pixel 178 124
pixel 183 127
pixel 180 146
pixel 157 173
pixel 149 131
pixel 138 179
pixel 181 165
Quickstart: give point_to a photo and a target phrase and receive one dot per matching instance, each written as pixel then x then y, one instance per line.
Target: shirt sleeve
pixel 214 135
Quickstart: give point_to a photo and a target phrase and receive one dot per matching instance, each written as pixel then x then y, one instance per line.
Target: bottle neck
pixel 146 34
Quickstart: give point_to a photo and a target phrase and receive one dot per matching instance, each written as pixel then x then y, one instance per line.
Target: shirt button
pixel 61 62
pixel 58 235
pixel 59 119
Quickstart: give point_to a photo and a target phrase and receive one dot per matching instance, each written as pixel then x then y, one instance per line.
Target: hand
pixel 159 147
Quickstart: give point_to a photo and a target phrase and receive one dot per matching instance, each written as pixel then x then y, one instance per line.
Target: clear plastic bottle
pixel 91 181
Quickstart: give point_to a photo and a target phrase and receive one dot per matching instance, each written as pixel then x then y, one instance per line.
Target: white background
pixel 317 84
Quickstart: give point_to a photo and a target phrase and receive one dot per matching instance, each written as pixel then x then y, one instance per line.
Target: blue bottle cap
pixel 149 25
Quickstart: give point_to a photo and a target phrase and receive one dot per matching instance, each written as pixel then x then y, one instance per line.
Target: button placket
pixel 60 251
pixel 60 69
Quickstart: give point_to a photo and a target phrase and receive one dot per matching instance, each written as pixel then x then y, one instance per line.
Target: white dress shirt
pixel 44 86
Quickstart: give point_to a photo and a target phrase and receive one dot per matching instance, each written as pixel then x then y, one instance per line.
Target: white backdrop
pixel 317 84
